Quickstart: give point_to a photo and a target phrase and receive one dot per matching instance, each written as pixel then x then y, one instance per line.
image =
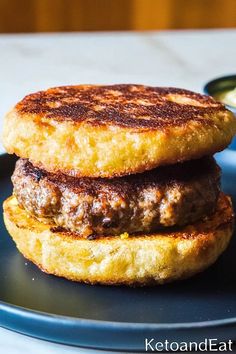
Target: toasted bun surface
pixel 107 131
pixel 140 260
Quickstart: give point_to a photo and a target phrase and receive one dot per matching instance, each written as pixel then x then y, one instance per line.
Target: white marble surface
pixel 14 343
pixel 33 62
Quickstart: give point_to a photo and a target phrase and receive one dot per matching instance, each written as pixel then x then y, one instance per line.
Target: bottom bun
pixel 135 260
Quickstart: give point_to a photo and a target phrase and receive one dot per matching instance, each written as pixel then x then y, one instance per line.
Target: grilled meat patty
pixel 166 196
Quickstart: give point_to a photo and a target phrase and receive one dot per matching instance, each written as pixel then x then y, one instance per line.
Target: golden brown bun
pixel 136 260
pixel 107 131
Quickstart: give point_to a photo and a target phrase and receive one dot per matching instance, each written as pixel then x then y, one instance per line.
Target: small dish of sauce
pixel 223 89
pixel 227 97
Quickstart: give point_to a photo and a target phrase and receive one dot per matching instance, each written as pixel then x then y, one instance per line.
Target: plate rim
pixel 44 316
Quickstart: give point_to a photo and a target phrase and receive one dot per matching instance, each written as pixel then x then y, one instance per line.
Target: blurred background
pixel 114 15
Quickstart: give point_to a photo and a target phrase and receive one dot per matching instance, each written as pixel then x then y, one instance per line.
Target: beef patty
pixel 166 196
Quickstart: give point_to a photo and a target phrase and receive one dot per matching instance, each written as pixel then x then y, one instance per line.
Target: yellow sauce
pixel 124 235
pixel 227 97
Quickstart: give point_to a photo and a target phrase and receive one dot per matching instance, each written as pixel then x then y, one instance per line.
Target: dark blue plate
pixel 120 318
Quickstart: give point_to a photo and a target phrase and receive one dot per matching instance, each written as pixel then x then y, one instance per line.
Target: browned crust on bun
pixel 107 131
pixel 131 106
pixel 147 259
pixel 166 196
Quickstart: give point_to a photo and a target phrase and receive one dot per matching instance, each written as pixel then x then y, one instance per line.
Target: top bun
pixel 107 131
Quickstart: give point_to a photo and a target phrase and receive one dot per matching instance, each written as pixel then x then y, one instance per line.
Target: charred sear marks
pixel 176 174
pixel 133 106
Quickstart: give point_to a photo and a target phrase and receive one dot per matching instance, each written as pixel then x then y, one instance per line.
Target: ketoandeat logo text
pixel 207 345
